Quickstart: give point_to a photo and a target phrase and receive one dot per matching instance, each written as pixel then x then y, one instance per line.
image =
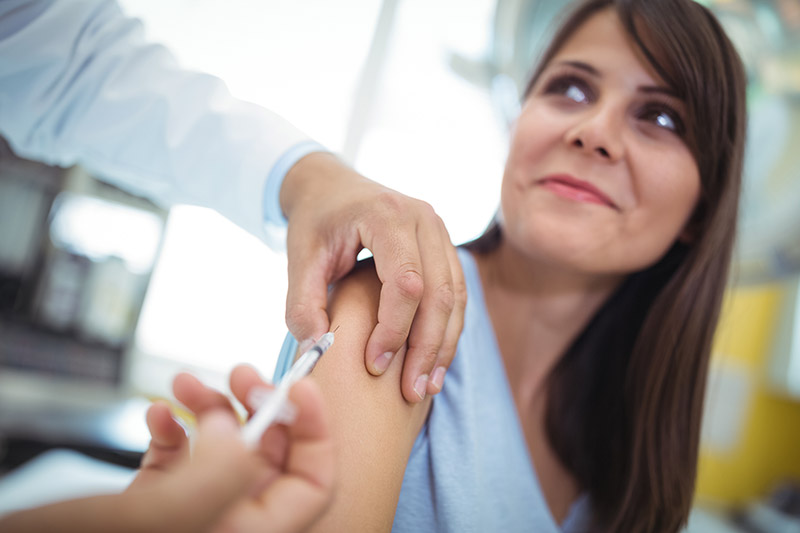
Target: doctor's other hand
pixel 220 485
pixel 333 213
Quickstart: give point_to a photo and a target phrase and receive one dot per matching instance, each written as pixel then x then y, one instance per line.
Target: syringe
pixel 266 414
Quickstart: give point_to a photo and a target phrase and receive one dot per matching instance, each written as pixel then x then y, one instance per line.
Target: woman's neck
pixel 537 310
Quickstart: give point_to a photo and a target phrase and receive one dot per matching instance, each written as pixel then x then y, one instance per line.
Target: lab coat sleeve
pixel 79 84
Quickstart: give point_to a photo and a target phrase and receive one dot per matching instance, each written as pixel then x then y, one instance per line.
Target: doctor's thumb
pixel 200 493
pixel 306 311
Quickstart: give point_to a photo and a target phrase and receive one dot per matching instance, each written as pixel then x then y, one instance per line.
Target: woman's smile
pixel 575 189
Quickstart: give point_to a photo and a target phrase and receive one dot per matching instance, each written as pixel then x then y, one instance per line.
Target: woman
pixel 575 399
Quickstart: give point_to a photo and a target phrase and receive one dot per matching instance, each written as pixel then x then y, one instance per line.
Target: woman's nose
pixel 598 133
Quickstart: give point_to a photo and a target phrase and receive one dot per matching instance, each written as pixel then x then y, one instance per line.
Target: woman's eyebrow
pixel 581 66
pixel 658 89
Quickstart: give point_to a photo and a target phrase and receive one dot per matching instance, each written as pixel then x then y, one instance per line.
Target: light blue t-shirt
pixel 469 469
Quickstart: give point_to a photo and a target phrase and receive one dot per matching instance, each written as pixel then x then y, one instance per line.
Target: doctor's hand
pixel 333 213
pixel 283 486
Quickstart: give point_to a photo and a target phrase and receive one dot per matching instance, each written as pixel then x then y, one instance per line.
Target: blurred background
pixel 104 296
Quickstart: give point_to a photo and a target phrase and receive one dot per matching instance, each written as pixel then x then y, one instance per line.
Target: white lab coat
pixel 78 84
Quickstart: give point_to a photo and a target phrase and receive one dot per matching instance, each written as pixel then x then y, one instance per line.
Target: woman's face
pixel 598 176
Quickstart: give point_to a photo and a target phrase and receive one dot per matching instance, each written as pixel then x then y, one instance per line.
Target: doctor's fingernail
pixel 421 385
pixel 437 379
pixel 382 362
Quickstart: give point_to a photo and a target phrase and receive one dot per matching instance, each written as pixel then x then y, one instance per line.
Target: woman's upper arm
pixel 374 428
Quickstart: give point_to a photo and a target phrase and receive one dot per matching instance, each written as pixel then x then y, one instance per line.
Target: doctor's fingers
pixel 221 476
pixel 435 331
pixel 391 233
pixel 308 420
pixel 309 424
pixel 455 324
pixel 307 293
pixel 301 494
pixel 167 438
pixel 168 446
pixel 246 384
pixel 197 397
pixel 311 448
pixel 420 298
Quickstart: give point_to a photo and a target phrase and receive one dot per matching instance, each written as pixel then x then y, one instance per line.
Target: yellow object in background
pixel 751 434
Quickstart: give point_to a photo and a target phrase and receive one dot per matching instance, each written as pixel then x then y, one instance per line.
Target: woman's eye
pixel 576 94
pixel 570 88
pixel 666 119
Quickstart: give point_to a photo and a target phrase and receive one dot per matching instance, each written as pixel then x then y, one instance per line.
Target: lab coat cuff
pixel 274 220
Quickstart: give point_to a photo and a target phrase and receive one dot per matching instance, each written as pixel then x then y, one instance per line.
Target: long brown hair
pixel 625 401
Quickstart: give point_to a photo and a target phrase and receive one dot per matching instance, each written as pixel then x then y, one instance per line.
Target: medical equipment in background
pixel 76 256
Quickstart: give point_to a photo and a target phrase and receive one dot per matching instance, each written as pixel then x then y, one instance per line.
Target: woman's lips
pixel 575 189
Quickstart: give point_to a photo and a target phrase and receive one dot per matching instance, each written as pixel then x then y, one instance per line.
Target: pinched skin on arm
pixel 373 426
pixel 333 213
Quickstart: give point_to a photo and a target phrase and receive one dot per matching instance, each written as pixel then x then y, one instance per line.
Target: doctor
pixel 78 84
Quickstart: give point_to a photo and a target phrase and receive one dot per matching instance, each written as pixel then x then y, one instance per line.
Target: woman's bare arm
pixel 373 427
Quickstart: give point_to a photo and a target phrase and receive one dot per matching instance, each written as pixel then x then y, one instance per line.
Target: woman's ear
pixel 686 236
pixel 691 230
